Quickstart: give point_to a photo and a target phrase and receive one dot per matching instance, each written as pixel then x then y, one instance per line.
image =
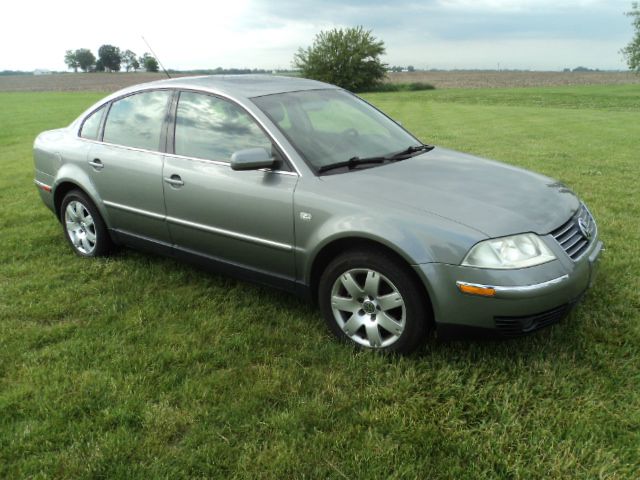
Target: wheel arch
pixel 64 186
pixel 334 248
pixel 60 192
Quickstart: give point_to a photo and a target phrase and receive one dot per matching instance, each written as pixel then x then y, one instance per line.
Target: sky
pixel 443 34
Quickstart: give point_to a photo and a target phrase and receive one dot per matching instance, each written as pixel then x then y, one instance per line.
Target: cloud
pixel 266 34
pixel 455 19
pixel 517 5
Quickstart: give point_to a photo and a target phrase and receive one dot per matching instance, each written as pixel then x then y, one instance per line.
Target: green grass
pixel 140 367
pixel 401 87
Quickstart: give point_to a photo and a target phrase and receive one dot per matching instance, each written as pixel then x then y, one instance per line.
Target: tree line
pixel 110 59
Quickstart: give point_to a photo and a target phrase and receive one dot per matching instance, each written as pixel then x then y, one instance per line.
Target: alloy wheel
pixel 368 308
pixel 80 227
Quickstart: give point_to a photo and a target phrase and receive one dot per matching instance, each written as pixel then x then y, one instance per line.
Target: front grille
pixel 516 326
pixel 575 235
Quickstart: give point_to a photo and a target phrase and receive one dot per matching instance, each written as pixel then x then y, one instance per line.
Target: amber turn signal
pixel 476 289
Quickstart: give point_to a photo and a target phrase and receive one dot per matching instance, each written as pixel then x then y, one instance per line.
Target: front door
pixel 242 218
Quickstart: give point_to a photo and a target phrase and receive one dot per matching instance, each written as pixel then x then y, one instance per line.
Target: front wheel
pixel 371 300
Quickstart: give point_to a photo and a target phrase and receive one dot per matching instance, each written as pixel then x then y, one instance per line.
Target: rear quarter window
pixel 91 126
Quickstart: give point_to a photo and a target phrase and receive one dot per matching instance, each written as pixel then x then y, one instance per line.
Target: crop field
pixel 108 82
pixel 509 79
pixel 73 82
pixel 137 366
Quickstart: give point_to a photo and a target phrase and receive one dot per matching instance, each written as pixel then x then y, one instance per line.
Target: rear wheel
pixel 371 300
pixel 83 226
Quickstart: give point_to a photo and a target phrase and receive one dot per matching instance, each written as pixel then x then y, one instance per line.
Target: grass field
pixel 139 367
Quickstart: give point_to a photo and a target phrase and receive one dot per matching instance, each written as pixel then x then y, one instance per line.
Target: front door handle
pixel 174 180
pixel 97 164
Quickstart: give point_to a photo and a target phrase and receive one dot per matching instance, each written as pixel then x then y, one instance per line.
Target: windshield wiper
pixel 411 152
pixel 353 162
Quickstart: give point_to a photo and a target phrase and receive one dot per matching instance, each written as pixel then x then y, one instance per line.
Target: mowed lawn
pixel 140 367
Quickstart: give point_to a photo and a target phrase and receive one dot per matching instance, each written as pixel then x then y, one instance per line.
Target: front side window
pixel 137 120
pixel 210 128
pixel 91 125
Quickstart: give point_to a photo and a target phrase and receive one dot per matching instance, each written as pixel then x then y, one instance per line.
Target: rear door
pixel 126 167
pixel 243 218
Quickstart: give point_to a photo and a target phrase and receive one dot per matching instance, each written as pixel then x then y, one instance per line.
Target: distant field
pixel 139 367
pixel 514 79
pixel 110 82
pixel 72 82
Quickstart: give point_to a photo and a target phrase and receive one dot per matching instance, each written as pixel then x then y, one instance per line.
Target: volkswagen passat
pixel 302 185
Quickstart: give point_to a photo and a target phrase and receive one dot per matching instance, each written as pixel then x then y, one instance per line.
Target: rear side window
pixel 91 125
pixel 136 120
pixel 213 129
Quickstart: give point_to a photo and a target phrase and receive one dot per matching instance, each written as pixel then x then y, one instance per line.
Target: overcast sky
pixel 519 34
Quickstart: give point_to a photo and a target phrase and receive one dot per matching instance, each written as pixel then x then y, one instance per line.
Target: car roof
pixel 247 86
pixel 238 87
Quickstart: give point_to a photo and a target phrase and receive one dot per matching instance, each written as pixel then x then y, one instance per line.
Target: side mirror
pixel 252 159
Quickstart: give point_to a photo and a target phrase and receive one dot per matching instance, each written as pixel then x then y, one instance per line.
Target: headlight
pixel 516 251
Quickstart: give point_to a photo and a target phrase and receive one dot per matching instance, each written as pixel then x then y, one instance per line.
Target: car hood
pixel 491 197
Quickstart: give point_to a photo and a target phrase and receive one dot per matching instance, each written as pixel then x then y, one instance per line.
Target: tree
pixel 111 57
pixel 130 60
pixel 85 58
pixel 411 68
pixel 99 66
pixel 149 63
pixel 71 60
pixel 347 57
pixel 631 52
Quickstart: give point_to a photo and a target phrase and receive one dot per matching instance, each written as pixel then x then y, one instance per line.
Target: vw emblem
pixel 584 229
pixel 369 307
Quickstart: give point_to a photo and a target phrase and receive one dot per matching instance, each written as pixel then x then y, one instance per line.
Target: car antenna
pixel 156 57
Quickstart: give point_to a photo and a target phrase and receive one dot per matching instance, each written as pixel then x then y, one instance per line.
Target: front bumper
pixel 525 300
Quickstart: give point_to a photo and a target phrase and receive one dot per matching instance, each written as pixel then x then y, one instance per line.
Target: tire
pixel 83 226
pixel 372 301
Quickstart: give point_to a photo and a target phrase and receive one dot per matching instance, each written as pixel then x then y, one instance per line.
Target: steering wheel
pixel 345 135
pixel 350 132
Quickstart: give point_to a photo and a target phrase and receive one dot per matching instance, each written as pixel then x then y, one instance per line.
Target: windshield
pixel 329 126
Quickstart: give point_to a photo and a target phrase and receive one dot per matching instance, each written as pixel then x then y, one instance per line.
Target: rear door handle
pixel 97 164
pixel 174 180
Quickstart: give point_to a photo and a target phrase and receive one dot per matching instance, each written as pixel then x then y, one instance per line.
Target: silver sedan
pixel 306 187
